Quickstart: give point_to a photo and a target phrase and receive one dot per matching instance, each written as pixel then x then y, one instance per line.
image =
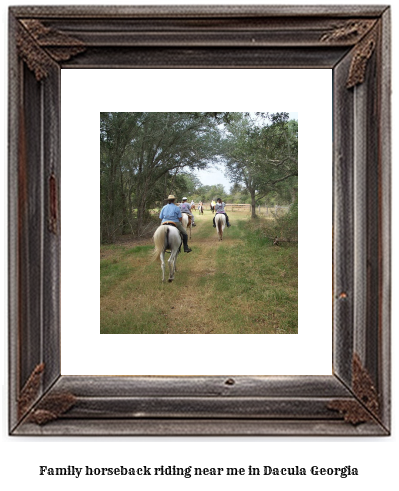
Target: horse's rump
pixel 165 237
pixel 220 221
pixel 220 225
pixel 189 218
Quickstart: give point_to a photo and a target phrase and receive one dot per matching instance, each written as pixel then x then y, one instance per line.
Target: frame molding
pixel 352 41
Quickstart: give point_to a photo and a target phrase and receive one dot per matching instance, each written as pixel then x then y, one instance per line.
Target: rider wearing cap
pixel 172 213
pixel 186 208
pixel 219 208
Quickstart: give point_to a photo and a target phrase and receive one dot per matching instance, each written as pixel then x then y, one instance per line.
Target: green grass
pixel 148 322
pixel 259 284
pixel 112 273
pixel 139 250
pixel 241 285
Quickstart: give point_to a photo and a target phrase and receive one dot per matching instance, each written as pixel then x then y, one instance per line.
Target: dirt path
pixel 230 286
pixel 192 309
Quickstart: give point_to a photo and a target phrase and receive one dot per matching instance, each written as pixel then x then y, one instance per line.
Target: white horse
pixel 220 222
pixel 167 237
pixel 185 222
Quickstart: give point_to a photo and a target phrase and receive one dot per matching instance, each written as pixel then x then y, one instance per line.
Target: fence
pixel 274 210
pixel 238 207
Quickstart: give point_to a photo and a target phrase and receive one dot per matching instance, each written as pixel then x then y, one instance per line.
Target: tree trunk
pixel 141 210
pixel 253 205
pixel 124 208
pixel 111 199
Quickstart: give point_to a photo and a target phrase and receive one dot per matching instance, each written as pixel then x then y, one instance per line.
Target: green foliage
pixel 208 193
pixel 263 157
pixel 144 158
pixel 284 227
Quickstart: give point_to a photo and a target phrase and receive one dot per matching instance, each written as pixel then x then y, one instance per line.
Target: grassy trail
pixel 241 285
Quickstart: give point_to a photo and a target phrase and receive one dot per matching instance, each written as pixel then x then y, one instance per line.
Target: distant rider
pixel 172 213
pixel 186 208
pixel 219 208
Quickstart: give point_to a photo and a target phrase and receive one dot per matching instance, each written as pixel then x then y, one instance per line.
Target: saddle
pixel 169 223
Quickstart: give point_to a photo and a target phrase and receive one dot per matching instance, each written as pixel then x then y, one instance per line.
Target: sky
pixel 217 176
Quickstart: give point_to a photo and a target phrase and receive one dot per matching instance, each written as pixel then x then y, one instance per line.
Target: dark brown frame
pixel 353 41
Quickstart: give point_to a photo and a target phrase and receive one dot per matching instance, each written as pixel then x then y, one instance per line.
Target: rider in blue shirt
pixel 172 213
pixel 219 208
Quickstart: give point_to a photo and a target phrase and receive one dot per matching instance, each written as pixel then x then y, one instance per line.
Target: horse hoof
pixel 170 280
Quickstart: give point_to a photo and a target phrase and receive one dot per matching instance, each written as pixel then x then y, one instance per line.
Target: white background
pixel 375 458
pixel 309 92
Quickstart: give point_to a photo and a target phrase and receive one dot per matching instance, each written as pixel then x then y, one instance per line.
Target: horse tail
pixel 161 236
pixel 220 226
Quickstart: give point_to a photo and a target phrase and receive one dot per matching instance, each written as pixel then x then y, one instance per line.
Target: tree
pixel 116 133
pixel 262 157
pixel 142 158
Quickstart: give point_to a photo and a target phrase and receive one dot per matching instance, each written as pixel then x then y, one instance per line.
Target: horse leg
pixel 161 257
pixel 172 265
pixel 175 263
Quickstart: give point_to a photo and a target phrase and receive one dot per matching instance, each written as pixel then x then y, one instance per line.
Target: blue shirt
pixel 170 213
pixel 185 207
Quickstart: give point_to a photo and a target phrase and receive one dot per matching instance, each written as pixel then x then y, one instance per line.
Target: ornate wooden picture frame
pixel 352 41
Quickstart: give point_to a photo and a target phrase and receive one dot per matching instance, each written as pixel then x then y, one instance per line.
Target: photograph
pixel 220 186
